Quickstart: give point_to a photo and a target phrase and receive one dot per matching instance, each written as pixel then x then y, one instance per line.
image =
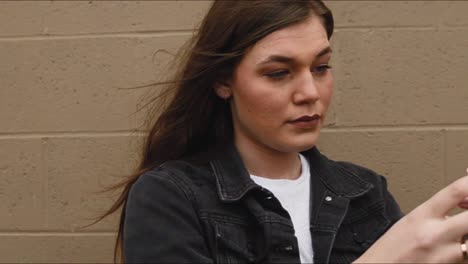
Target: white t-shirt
pixel 294 196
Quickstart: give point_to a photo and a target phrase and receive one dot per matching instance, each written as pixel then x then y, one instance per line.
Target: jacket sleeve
pixel 161 225
pixel 392 209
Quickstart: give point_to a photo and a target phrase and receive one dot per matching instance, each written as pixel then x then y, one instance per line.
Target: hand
pixel 426 235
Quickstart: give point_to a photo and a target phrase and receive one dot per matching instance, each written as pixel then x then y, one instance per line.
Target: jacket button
pixel 288 248
pixel 358 239
pixel 328 199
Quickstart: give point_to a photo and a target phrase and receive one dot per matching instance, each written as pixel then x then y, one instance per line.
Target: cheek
pixel 327 92
pixel 259 108
pixel 259 105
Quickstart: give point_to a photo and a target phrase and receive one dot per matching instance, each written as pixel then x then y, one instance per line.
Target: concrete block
pixel 401 77
pixel 84 17
pixel 26 18
pixel 456 158
pixel 387 13
pixel 22 249
pixel 80 249
pixel 57 248
pixel 22 196
pixel 19 18
pixel 456 154
pixel 412 161
pixel 455 13
pixel 75 84
pixel 79 170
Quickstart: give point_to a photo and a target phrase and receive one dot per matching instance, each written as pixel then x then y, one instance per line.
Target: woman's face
pixel 278 87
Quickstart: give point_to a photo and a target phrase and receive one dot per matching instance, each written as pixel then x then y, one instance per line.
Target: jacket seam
pixel 354 175
pixel 183 186
pixel 234 195
pixel 355 178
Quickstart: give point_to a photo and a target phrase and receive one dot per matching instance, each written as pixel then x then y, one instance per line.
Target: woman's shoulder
pixel 339 170
pixel 186 175
pixel 363 172
pixel 379 192
pixel 360 173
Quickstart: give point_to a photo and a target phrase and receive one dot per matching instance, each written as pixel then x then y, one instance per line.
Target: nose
pixel 306 90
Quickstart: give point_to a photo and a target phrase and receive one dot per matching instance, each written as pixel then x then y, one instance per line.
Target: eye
pixel 321 69
pixel 277 75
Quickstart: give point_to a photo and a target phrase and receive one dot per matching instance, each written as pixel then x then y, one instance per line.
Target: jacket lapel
pixel 332 188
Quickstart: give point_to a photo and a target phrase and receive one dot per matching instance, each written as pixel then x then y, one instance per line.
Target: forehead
pixel 304 40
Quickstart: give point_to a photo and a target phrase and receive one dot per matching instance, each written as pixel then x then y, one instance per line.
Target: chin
pixel 297 146
pixel 304 143
pixel 304 148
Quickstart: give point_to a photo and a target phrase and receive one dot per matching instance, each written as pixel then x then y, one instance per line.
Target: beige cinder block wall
pixel 66 130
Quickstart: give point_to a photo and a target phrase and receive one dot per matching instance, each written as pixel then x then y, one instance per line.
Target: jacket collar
pixel 335 176
pixel 233 179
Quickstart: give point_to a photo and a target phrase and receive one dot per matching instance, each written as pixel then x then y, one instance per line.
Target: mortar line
pixel 45 179
pixel 52 234
pixel 385 128
pixel 134 34
pixel 384 28
pixel 376 128
pixel 67 134
pixel 445 159
pixel 422 28
pixel 183 32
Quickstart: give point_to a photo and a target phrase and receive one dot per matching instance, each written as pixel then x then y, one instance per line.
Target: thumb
pixel 446 199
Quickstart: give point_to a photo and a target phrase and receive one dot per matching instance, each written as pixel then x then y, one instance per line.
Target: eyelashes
pixel 278 75
pixel 282 74
pixel 322 68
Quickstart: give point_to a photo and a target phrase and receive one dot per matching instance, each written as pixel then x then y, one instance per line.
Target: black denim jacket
pixel 184 212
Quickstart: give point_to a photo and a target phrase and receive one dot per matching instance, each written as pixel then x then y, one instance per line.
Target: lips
pixel 307 118
pixel 306 122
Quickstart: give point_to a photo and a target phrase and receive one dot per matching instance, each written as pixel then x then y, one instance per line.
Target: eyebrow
pixel 285 59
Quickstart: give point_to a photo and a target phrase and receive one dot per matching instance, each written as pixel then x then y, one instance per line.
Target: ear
pixel 223 90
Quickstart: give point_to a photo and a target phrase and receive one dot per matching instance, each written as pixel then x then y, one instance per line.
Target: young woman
pixel 231 172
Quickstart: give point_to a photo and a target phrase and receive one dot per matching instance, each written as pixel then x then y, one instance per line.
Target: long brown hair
pixel 194 119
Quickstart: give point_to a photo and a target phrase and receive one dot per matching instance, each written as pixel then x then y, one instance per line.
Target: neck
pixel 269 163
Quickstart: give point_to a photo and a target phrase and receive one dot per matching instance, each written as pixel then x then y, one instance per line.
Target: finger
pixel 464 204
pixel 456 226
pixel 454 253
pixel 447 253
pixel 446 199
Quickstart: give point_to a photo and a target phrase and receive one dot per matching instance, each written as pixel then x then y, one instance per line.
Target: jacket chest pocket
pixel 361 229
pixel 233 243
